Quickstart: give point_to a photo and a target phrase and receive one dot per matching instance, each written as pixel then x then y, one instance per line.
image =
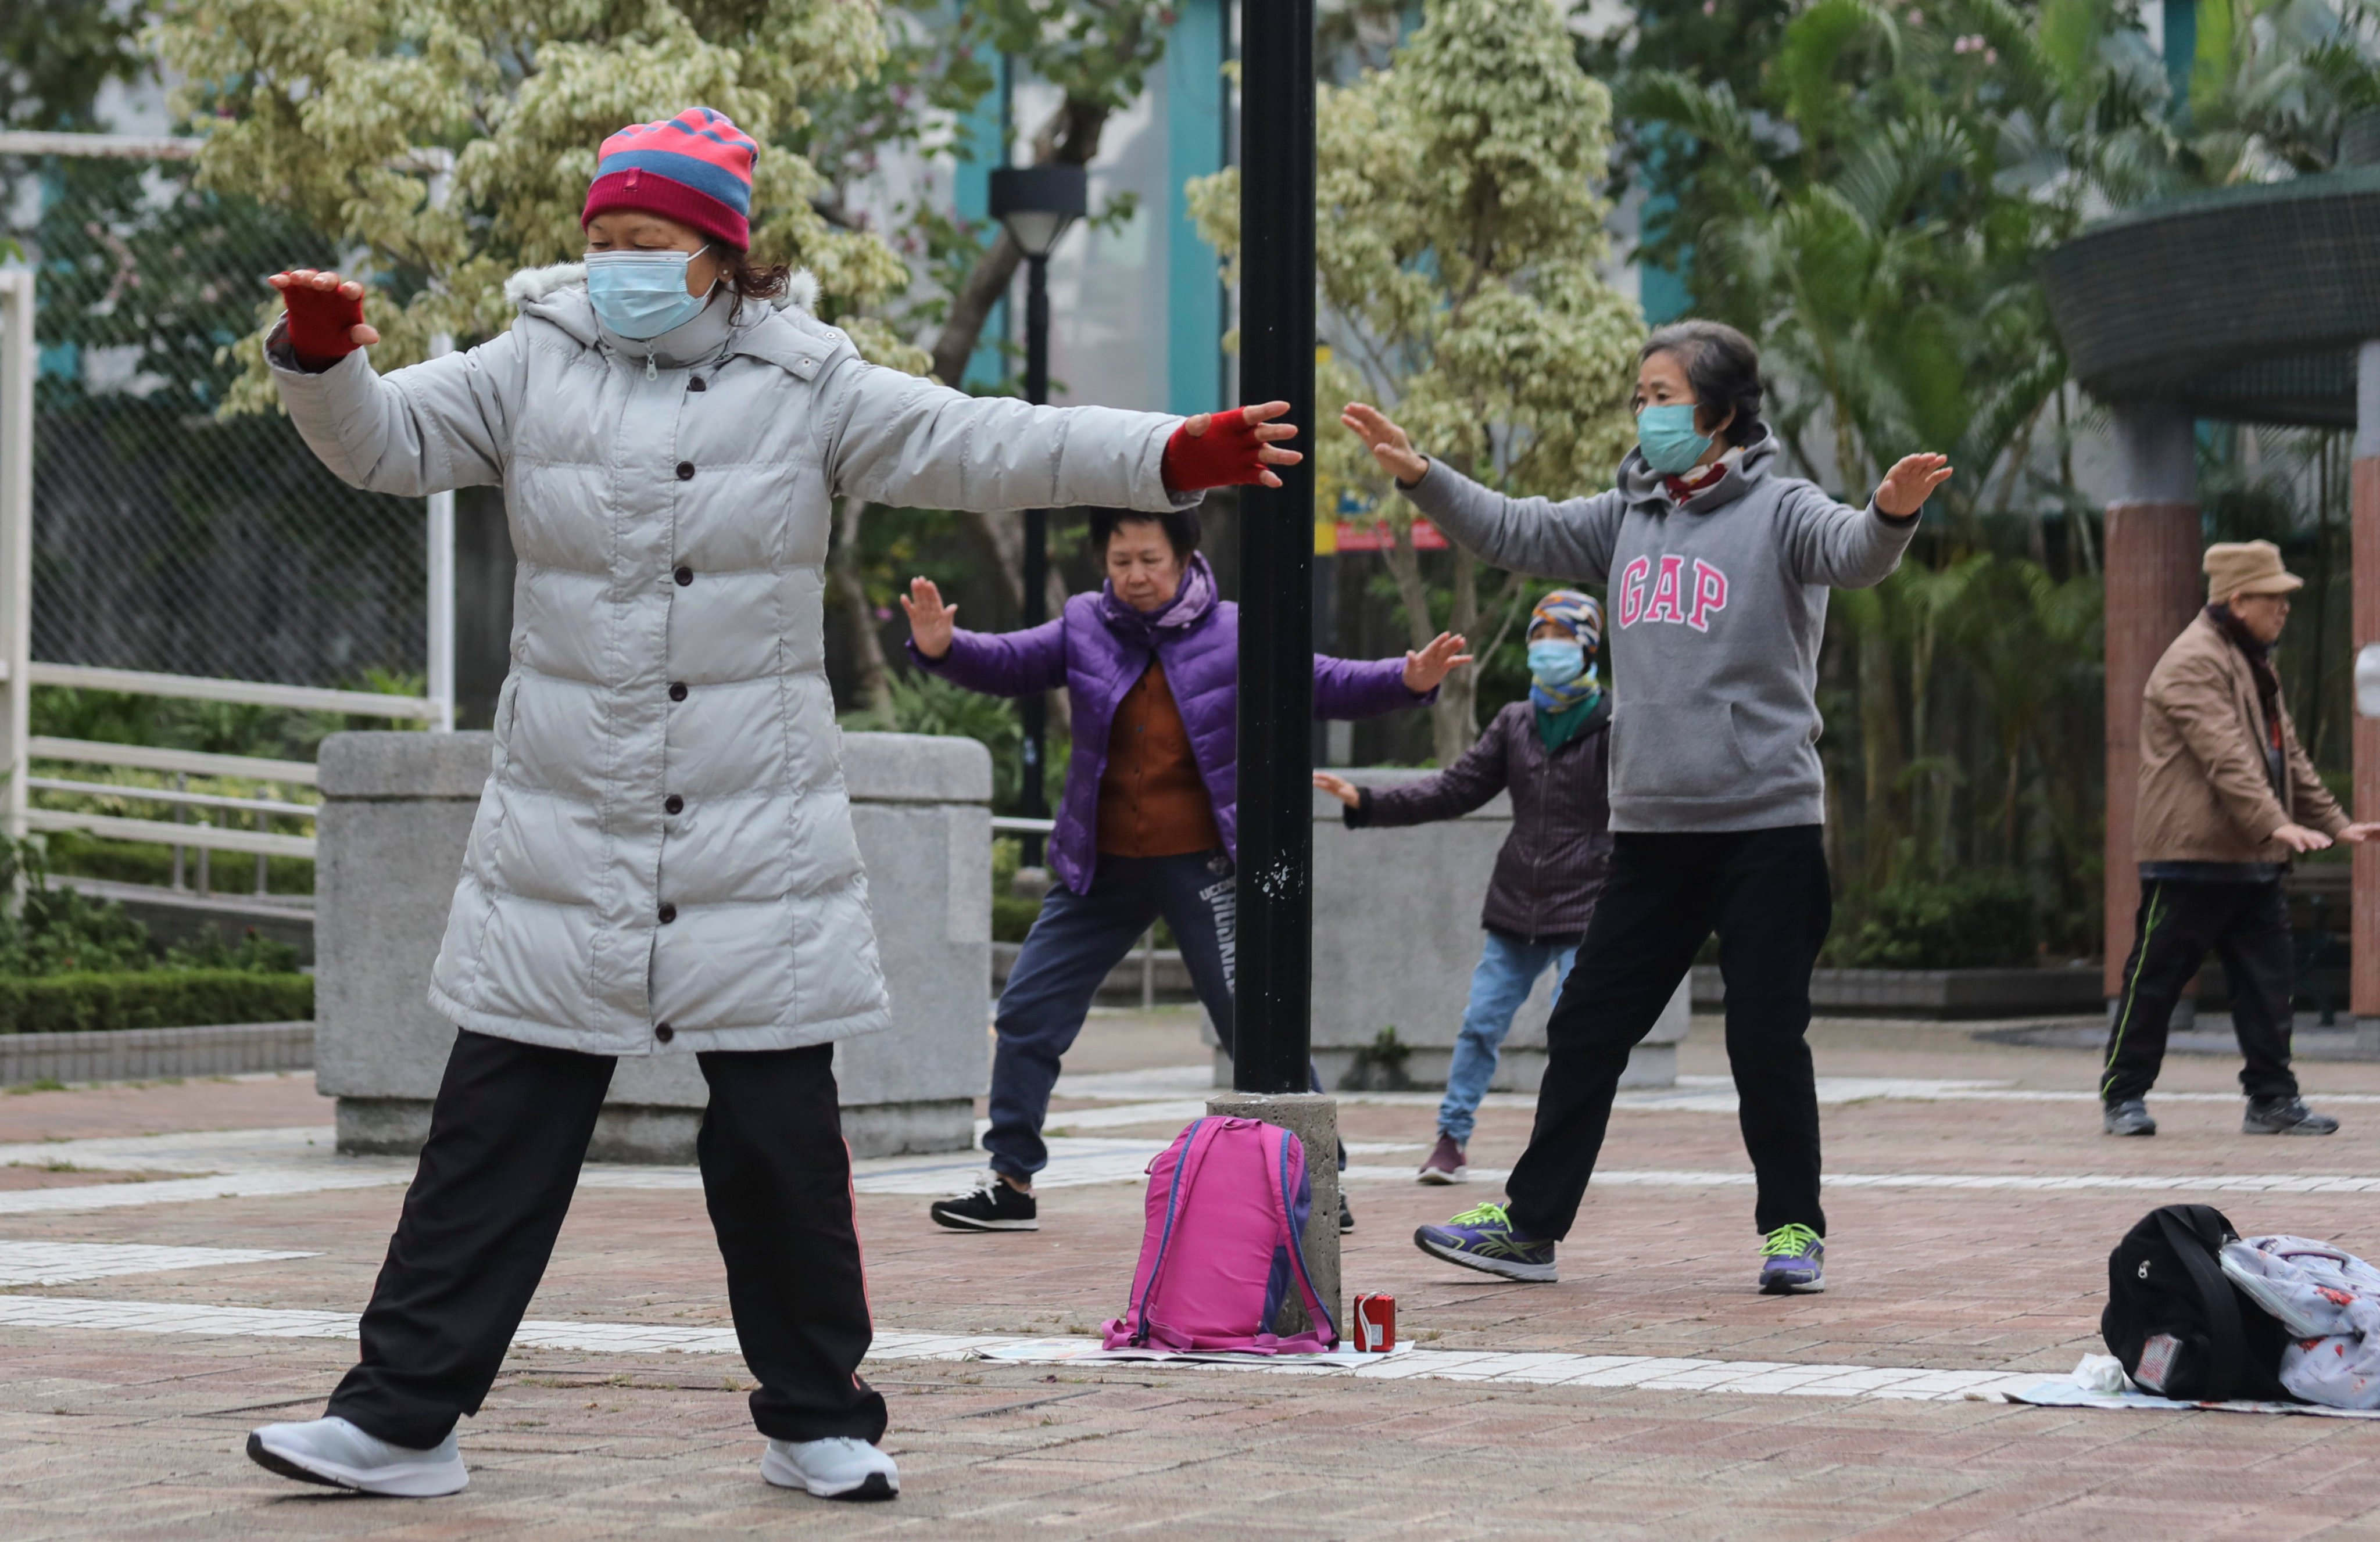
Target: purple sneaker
pixel 1791 1261
pixel 1445 1164
pixel 1485 1239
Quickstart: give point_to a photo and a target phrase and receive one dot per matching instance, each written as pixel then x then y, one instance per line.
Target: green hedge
pixel 152 999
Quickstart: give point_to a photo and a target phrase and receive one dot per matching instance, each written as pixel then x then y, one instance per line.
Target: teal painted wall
pixel 1194 139
pixel 983 136
pixel 2180 53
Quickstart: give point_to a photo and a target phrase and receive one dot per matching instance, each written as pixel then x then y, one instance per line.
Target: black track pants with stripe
pixel 2247 926
pixel 507 1134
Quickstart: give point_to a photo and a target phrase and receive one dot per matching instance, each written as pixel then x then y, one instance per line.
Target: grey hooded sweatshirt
pixel 1715 610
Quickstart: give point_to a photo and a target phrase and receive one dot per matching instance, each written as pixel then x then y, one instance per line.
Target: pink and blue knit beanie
pixel 695 168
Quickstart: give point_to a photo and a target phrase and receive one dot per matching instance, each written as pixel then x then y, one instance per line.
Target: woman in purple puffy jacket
pixel 1147 823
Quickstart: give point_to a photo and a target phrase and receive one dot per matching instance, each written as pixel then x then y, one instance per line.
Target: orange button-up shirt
pixel 1152 800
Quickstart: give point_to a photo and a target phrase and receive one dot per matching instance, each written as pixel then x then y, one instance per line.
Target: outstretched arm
pixel 1477 776
pixel 900 440
pixel 1845 547
pixel 445 423
pixel 996 663
pixel 1369 687
pixel 1569 539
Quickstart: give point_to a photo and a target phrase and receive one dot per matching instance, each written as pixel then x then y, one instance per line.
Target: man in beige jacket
pixel 2227 797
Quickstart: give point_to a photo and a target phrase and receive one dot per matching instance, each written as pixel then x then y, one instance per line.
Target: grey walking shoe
pixel 339 1455
pixel 2130 1116
pixel 2285 1116
pixel 839 1468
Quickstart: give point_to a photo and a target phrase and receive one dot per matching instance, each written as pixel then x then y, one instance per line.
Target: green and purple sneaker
pixel 1791 1261
pixel 1485 1238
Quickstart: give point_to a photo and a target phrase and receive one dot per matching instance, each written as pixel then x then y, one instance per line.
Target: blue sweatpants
pixel 1077 939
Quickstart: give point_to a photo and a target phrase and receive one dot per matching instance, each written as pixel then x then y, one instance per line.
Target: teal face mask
pixel 1666 436
pixel 642 295
pixel 1553 662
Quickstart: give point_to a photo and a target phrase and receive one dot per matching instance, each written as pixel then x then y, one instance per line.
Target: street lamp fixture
pixel 1037 205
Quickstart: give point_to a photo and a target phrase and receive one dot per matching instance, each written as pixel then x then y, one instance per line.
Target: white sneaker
pixel 334 1452
pixel 841 1469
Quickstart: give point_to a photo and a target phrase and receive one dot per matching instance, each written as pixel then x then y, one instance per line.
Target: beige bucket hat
pixel 2247 568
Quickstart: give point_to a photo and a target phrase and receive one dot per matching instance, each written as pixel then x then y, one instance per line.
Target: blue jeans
pixel 1508 970
pixel 1074 944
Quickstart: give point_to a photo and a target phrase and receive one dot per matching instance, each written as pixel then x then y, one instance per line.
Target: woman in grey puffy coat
pixel 663 860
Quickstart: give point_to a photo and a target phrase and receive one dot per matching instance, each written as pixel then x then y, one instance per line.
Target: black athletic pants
pixel 2248 927
pixel 1766 894
pixel 506 1136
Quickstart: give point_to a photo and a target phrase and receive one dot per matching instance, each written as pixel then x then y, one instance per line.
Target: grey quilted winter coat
pixel 663 858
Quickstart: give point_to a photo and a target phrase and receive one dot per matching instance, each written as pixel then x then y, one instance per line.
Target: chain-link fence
pixel 166 538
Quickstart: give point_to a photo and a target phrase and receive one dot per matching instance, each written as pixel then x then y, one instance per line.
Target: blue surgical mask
pixel 1666 436
pixel 1554 662
pixel 642 295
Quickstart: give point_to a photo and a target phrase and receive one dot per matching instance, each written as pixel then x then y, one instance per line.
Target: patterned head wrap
pixel 1576 613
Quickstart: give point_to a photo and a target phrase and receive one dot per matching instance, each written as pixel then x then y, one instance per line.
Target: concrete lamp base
pixel 1313 1117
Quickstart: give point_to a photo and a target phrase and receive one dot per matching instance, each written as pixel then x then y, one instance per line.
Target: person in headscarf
pixel 1549 750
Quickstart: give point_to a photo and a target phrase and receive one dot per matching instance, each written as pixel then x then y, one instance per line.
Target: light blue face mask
pixel 1554 662
pixel 642 295
pixel 1666 435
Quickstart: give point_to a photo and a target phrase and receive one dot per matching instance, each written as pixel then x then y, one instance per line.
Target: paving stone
pixel 107 1434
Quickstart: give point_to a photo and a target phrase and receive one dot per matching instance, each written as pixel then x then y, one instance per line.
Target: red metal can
pixel 1375 1323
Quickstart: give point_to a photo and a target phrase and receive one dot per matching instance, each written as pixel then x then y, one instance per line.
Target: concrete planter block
pixel 1942 994
pixel 396 814
pixel 1396 936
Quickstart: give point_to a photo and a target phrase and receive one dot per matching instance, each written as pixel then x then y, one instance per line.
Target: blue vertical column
pixel 983 139
pixel 1194 133
pixel 1660 291
pixel 2180 54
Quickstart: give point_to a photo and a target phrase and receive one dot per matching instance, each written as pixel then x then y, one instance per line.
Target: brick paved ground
pixel 112 1435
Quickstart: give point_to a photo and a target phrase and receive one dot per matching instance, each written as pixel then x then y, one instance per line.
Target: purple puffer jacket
pixel 1099 648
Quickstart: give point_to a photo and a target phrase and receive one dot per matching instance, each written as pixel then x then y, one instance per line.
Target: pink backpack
pixel 1227 1204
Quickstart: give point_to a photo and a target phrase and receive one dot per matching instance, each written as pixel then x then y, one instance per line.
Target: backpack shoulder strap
pixel 2227 1336
pixel 1194 1143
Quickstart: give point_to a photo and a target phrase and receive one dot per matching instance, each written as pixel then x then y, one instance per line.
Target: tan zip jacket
pixel 2204 793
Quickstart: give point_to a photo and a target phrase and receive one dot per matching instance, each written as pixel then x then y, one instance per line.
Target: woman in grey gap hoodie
pixel 1717 570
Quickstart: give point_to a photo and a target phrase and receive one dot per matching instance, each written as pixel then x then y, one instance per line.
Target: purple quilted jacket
pixel 1098 648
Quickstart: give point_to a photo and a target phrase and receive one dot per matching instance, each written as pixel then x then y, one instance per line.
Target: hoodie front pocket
pixel 1678 749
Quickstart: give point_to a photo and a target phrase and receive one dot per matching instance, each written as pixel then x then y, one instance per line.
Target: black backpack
pixel 2180 1328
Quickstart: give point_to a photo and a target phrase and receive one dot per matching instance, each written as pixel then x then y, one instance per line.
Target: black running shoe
pixel 2285 1116
pixel 993 1205
pixel 1346 1216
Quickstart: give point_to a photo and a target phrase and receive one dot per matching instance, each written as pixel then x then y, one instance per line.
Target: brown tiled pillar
pixel 2154 587
pixel 2364 991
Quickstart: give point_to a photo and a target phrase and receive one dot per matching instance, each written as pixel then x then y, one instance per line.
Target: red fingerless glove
pixel 1224 456
pixel 319 324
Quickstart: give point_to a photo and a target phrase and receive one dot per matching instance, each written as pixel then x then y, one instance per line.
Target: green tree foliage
pixel 344 111
pixel 1868 198
pixel 1460 237
pixel 57 54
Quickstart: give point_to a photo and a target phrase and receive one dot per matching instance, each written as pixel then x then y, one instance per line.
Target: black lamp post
pixel 1036 204
pixel 1272 1012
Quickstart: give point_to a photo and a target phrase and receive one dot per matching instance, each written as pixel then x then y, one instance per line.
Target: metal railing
pixel 204 819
